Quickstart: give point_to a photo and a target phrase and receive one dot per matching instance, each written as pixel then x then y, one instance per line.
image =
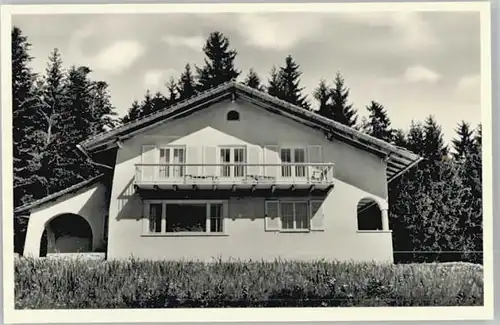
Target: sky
pixel 416 64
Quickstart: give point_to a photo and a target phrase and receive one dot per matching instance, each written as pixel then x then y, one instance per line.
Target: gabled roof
pixel 398 159
pixel 54 196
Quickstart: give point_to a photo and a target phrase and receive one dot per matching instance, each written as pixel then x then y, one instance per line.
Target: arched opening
pixel 369 215
pixel 66 233
pixel 233 116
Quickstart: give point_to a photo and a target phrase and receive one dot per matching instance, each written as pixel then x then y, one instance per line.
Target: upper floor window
pixel 233 116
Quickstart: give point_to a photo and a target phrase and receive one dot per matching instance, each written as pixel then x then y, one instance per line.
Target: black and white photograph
pixel 247 162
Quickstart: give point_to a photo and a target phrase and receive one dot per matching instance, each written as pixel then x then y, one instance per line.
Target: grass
pixel 57 283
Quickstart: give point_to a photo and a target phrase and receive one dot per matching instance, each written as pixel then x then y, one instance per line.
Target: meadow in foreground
pixel 58 283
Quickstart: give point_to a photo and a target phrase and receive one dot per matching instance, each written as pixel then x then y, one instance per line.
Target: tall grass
pixel 55 283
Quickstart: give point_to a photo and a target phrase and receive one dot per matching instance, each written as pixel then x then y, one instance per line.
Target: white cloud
pixel 118 56
pixel 410 30
pixel 274 31
pixel 155 79
pixel 420 73
pixel 193 42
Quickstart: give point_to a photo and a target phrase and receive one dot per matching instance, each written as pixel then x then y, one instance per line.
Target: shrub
pixel 53 283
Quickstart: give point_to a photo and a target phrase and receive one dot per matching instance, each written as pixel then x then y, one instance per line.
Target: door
pixel 293 160
pixel 232 162
pixel 172 162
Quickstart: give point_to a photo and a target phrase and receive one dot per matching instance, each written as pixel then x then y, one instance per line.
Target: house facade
pixel 232 173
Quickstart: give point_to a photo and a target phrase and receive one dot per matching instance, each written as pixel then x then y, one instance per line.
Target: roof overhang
pixel 399 160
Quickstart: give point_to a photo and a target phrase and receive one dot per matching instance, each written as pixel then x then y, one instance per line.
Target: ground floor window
pixel 293 215
pixel 184 216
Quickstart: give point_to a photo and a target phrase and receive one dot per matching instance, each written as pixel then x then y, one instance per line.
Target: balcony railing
pixel 235 173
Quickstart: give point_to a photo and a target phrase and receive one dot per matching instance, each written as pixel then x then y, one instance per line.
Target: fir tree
pixel 159 102
pixel 187 84
pixel 133 113
pixel 342 111
pixel 415 139
pixel 290 84
pixel 26 121
pixel 399 138
pixel 322 95
pixel 147 106
pixel 173 93
pixel 378 124
pixel 464 144
pixel 275 88
pixel 104 114
pixel 253 80
pixel 219 63
pixel 435 148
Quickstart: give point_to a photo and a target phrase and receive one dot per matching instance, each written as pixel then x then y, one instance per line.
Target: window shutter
pixel 271 156
pixel 149 156
pixel 210 158
pixel 314 157
pixel 272 220
pixel 193 157
pixel 253 157
pixel 317 215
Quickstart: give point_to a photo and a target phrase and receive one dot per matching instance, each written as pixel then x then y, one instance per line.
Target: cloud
pixel 278 32
pixel 418 73
pixel 155 79
pixel 118 56
pixel 411 32
pixel 193 42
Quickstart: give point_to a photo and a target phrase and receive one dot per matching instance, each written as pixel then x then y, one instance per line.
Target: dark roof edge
pixel 72 189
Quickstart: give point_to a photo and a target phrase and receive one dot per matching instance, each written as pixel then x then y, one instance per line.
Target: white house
pixel 230 173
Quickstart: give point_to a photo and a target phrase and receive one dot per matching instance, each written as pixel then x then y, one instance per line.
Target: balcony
pixel 234 176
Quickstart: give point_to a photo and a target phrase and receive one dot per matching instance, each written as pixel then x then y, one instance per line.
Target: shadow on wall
pixel 66 233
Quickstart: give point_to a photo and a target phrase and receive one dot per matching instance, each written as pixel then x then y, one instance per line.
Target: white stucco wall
pixel 358 175
pixel 89 203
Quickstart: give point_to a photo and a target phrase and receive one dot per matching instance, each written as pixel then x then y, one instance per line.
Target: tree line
pixel 435 208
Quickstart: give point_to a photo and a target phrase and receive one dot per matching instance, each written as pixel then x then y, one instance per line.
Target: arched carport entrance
pixel 66 233
pixel 371 216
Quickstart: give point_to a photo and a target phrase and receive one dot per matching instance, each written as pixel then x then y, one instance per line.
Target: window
pixel 172 160
pixel 232 160
pixel 184 217
pixel 233 116
pixel 293 215
pixel 291 156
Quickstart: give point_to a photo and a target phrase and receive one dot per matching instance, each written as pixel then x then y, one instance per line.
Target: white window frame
pixel 231 160
pixel 294 201
pixel 293 168
pixel 171 149
pixel 164 203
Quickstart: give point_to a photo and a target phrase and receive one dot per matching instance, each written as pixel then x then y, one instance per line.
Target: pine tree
pixel 322 95
pixel 378 124
pixel 435 148
pixel 219 63
pixel 253 80
pixel 24 121
pixel 290 83
pixel 159 102
pixel 187 84
pixel 104 114
pixel 416 138
pixel 133 113
pixel 173 93
pixel 342 111
pixel 399 138
pixel 464 144
pixel 275 87
pixel 147 106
